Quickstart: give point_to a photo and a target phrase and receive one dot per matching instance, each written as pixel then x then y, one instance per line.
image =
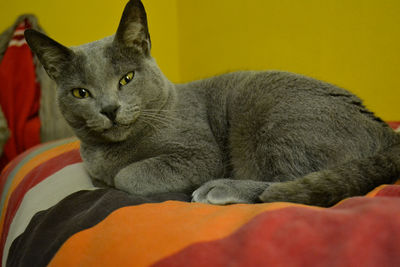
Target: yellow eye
pixel 80 93
pixel 126 79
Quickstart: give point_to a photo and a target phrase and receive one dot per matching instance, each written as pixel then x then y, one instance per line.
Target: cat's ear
pixel 51 54
pixel 133 31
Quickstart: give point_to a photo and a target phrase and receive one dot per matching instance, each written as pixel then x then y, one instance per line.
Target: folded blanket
pixel 17 68
pixel 19 96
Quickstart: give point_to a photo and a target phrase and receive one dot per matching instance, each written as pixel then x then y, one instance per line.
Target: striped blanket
pixel 53 215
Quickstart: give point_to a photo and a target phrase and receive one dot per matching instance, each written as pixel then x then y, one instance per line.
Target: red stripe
pixel 389 191
pixel 20 27
pixel 394 124
pixel 37 175
pixel 6 171
pixel 358 232
pixel 24 25
pixel 18 37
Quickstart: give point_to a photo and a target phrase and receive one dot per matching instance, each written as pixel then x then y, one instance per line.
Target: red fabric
pixel 19 97
pixel 394 124
pixel 10 168
pixel 358 232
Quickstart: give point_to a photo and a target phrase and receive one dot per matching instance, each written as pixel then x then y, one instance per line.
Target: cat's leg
pixel 229 191
pixel 166 173
pixel 149 176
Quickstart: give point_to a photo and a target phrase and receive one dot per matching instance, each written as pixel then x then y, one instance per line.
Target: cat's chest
pixel 103 163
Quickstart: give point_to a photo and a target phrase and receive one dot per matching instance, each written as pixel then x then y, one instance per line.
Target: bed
pixel 53 215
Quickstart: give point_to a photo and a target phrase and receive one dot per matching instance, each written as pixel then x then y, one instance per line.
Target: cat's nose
pixel 110 111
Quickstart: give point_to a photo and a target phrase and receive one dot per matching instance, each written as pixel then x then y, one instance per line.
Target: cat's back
pixel 264 93
pixel 277 86
pixel 294 109
pixel 281 93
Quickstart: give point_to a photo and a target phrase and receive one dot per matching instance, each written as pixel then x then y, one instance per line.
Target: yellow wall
pixel 75 22
pixel 352 43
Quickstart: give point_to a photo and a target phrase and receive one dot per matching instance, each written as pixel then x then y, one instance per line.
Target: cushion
pixel 53 215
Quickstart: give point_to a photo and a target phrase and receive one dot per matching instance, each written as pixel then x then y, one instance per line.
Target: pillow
pixel 52 214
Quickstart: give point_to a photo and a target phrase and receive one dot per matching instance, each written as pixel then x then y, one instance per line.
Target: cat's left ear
pixel 133 31
pixel 53 55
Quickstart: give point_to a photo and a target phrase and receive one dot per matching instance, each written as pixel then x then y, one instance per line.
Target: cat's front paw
pixel 227 191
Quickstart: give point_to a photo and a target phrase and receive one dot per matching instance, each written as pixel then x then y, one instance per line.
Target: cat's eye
pixel 80 93
pixel 126 79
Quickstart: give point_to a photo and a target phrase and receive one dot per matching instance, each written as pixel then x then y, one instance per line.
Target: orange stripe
pixel 142 235
pixel 30 165
pixel 5 168
pixel 374 192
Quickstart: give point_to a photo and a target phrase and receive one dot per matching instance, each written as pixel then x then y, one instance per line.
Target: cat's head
pixel 106 86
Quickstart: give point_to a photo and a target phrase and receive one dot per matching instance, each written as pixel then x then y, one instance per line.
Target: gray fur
pixel 242 137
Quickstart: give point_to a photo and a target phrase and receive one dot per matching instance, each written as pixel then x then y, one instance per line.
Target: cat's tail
pixel 327 187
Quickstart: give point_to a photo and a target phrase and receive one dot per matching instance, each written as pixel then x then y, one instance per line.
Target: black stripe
pixel 49 229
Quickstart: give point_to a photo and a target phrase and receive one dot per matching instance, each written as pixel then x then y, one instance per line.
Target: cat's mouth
pixel 122 122
pixel 117 126
pixel 117 132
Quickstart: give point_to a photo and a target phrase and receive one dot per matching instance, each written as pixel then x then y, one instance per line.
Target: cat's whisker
pixel 166 110
pixel 161 117
pixel 162 112
pixel 169 114
pixel 156 119
pixel 161 120
pixel 151 125
pixel 156 123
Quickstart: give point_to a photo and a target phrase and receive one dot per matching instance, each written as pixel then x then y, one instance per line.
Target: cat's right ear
pixel 51 54
pixel 133 31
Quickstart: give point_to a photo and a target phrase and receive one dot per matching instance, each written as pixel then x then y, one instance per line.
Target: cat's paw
pixel 227 191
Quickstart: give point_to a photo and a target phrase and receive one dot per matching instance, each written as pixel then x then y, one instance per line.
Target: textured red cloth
pixel 394 124
pixel 361 231
pixel 19 96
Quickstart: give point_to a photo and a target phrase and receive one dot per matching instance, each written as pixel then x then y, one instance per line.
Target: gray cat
pixel 242 137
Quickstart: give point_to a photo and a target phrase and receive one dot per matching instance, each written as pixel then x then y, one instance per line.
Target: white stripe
pixel 19 32
pixel 17 43
pixel 44 195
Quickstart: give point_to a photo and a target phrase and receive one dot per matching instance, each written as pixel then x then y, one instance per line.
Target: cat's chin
pixel 117 133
